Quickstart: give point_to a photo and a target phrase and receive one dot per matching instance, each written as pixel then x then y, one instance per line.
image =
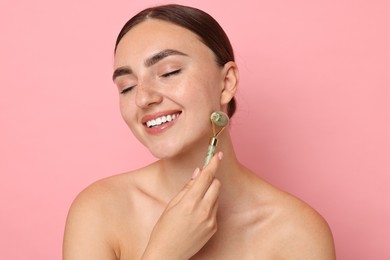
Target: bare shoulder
pixel 102 196
pixel 303 232
pixel 91 226
pixel 97 198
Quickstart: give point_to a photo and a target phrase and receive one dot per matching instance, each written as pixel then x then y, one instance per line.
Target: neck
pixel 177 171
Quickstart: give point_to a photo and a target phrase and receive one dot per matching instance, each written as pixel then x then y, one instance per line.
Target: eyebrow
pixel 120 72
pixel 148 62
pixel 161 55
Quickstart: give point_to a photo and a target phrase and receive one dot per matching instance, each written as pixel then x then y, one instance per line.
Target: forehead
pixel 154 35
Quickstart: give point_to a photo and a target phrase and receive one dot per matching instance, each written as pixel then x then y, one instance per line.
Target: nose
pixel 147 96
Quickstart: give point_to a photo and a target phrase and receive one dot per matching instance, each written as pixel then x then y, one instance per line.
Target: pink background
pixel 313 118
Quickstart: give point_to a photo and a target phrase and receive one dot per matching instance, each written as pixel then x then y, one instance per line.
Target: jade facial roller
pixel 218 119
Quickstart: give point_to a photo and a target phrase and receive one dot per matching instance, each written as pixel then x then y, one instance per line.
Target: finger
pixel 213 210
pixel 205 177
pixel 181 193
pixel 211 195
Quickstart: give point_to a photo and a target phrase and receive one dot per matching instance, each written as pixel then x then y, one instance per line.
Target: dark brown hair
pixel 195 20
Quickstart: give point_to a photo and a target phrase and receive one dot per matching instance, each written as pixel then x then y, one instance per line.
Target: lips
pixel 157 122
pixel 161 120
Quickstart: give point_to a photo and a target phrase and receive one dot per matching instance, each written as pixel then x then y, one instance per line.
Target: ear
pixel 230 82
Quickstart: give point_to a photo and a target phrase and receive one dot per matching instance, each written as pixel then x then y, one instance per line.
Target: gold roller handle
pixel 210 151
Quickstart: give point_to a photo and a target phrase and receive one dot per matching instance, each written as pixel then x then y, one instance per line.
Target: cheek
pixel 129 116
pixel 127 110
pixel 212 85
pixel 211 96
pixel 204 88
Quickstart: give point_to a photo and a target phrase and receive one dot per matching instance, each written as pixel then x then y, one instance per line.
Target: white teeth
pixel 161 120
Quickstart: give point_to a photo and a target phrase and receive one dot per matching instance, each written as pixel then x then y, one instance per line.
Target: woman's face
pixel 169 83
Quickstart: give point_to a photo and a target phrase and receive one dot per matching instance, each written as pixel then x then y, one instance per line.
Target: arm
pixel 86 235
pixel 189 220
pixel 319 240
pixel 309 237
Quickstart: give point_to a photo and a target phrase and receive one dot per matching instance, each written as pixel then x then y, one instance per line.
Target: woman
pixel 173 67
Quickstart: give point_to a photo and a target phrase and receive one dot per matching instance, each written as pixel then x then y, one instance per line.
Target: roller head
pixel 219 118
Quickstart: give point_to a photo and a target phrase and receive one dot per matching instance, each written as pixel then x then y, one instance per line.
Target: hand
pixel 189 220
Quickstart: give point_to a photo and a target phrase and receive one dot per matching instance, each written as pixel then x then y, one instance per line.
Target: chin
pixel 165 155
pixel 171 152
pixel 186 145
pixel 164 151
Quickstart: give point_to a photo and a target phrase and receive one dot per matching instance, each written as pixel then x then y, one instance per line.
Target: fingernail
pixel 195 174
pixel 220 155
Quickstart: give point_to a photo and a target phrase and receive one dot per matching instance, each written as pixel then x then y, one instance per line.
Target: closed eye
pixel 171 73
pixel 127 89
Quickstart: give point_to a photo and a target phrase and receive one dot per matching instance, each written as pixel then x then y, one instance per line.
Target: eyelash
pixel 166 75
pixel 123 91
pixel 171 73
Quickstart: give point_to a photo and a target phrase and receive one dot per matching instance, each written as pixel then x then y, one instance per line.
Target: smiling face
pixel 169 84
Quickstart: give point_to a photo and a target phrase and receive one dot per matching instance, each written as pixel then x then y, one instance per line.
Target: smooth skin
pixel 170 209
